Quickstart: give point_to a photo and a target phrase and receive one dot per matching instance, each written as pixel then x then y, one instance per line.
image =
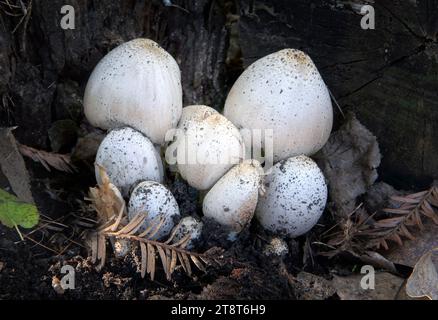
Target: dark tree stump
pixel 389 75
pixel 48 56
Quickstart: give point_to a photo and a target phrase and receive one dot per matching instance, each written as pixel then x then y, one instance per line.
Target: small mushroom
pixel 276 247
pixel 156 202
pixel 210 147
pixel 137 84
pixel 188 226
pixel 295 197
pixel 283 92
pixel 128 157
pixel 121 247
pixel 233 199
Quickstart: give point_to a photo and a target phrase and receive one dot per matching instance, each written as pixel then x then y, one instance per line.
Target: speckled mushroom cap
pixel 284 92
pixel 295 197
pixel 155 201
pixel 194 113
pixel 233 199
pixel 209 149
pixel 128 157
pixel 138 84
pixel 191 114
pixel 188 226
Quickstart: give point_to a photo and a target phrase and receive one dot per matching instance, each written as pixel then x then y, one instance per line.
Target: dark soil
pixel 243 271
pixel 27 272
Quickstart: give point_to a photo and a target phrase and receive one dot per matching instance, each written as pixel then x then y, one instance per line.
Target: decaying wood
pixel 387 75
pixel 56 58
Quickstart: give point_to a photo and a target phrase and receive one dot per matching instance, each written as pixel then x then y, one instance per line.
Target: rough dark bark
pixel 53 64
pixel 389 75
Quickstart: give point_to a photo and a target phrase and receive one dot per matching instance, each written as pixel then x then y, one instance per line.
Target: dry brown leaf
pixel 13 166
pixel 107 200
pixel 310 286
pixel 423 281
pixel 387 287
pixel 349 161
pixel 61 162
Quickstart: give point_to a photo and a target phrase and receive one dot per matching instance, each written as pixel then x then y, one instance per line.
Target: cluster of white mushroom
pixel 135 91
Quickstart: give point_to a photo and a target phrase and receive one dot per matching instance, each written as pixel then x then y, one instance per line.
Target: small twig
pixel 19 233
pixel 336 102
pixel 40 244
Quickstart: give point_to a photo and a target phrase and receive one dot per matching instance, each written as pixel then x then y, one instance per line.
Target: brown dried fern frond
pixel 61 162
pixel 114 225
pixel 170 253
pixel 408 214
pixel 361 232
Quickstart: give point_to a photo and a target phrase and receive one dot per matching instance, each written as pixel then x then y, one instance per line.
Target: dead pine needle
pixel 336 103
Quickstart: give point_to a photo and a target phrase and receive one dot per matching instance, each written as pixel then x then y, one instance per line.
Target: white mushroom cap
pixel 128 157
pixel 138 84
pixel 188 226
pixel 283 92
pixel 295 197
pixel 194 113
pixel 209 149
pixel 233 199
pixel 156 202
pixel 190 114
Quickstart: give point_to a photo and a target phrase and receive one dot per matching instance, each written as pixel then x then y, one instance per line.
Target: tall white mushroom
pixel 283 92
pixel 210 148
pixel 190 114
pixel 137 84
